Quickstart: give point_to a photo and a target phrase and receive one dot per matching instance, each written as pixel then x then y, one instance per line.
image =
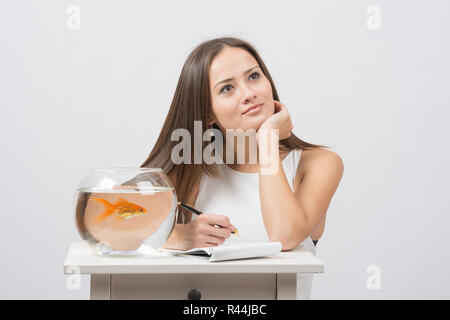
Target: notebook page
pixel 243 251
pixel 234 250
pixel 201 251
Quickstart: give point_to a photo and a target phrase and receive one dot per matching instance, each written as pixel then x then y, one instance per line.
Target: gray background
pixel 78 99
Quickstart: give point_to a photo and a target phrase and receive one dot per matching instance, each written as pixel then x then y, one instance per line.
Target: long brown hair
pixel 192 102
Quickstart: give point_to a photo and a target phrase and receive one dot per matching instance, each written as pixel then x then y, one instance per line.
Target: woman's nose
pixel 248 94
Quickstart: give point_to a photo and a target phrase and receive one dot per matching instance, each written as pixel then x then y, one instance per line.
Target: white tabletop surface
pixel 81 259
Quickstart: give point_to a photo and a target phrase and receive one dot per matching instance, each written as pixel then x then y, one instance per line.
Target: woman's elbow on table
pixel 286 244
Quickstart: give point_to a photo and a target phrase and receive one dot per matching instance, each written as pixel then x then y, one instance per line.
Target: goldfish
pixel 122 207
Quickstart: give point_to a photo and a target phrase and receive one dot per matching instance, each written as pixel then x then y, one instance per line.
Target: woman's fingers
pixel 219 232
pixel 217 219
pixel 214 240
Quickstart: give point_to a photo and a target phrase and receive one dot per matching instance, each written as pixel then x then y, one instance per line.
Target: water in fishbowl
pixel 124 220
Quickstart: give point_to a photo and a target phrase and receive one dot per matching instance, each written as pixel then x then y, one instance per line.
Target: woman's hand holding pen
pixel 202 231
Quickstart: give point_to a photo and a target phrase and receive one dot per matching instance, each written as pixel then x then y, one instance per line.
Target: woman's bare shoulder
pixel 312 158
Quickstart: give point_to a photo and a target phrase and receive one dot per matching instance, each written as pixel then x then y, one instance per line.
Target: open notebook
pixel 233 251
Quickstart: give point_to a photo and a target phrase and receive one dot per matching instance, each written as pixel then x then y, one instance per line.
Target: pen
pixel 235 232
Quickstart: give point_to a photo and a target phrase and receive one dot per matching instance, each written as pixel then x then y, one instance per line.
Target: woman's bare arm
pixel 290 217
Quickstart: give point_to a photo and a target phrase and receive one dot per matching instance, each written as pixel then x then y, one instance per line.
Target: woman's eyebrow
pixel 229 79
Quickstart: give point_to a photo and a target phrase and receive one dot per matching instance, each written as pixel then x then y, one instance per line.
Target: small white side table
pixel 167 276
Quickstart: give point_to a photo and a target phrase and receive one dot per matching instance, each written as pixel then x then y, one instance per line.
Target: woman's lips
pixel 254 110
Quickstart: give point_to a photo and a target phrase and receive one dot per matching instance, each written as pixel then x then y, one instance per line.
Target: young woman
pixel 221 80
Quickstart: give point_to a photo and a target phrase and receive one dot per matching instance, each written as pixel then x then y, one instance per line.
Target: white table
pixel 167 276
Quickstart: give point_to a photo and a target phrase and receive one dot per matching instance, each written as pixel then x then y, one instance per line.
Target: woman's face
pixel 248 87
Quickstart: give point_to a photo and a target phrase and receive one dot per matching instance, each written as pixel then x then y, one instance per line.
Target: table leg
pixel 286 286
pixel 100 286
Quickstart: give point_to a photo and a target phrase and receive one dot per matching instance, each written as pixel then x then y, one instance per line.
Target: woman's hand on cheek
pixel 280 120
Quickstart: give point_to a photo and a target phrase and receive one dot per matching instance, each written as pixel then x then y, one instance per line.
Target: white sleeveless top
pixel 236 195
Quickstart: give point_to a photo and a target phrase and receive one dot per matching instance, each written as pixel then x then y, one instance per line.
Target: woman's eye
pixel 254 74
pixel 224 88
pixel 228 85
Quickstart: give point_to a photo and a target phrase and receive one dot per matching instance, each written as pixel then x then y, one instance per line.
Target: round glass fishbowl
pixel 125 210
